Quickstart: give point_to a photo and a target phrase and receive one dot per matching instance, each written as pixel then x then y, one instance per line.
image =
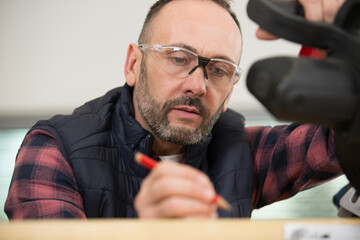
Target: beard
pixel 155 114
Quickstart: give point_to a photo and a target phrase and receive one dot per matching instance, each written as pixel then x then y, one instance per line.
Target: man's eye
pixel 218 71
pixel 178 61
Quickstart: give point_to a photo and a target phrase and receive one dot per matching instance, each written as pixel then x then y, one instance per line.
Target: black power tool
pixel 305 90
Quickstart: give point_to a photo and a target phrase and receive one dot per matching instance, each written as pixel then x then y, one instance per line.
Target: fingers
pixel 164 169
pixel 321 10
pixel 315 10
pixel 264 35
pixel 176 207
pixel 166 186
pixel 175 190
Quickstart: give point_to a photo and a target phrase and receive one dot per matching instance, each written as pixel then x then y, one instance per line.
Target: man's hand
pixel 315 10
pixel 175 190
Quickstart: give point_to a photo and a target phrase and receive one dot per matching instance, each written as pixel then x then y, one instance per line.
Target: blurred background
pixel 57 54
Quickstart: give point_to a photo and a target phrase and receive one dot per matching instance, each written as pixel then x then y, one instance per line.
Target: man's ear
pixel 224 107
pixel 132 64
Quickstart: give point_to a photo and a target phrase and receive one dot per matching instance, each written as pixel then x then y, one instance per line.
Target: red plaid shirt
pixel 287 159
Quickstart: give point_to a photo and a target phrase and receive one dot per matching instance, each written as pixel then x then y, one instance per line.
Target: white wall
pixel 58 54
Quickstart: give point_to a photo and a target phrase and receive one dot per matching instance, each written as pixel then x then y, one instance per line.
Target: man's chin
pixel 181 135
pixel 184 125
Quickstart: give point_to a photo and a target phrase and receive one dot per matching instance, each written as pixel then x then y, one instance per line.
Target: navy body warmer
pixel 99 141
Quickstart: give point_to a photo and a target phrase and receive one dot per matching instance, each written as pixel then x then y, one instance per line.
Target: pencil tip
pixel 138 157
pixel 222 203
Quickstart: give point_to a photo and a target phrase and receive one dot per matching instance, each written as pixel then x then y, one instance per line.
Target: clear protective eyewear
pixel 181 62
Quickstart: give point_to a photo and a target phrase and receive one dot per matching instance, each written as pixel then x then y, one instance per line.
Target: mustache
pixel 187 101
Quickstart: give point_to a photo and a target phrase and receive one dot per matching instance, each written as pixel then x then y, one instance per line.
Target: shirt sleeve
pixel 43 184
pixel 290 158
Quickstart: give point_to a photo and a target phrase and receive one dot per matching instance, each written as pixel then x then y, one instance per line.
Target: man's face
pixel 156 114
pixel 183 111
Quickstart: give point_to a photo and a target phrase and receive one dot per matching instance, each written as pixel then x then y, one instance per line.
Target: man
pixel 174 107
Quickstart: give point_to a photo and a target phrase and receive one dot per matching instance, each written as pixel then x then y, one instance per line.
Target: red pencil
pixel 150 163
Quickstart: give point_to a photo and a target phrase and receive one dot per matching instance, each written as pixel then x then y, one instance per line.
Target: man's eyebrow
pixel 182 45
pixel 225 58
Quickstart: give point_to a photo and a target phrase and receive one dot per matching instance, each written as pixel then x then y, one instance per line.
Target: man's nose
pixel 195 83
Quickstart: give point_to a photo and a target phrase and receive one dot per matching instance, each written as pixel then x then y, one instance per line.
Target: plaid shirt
pixel 287 159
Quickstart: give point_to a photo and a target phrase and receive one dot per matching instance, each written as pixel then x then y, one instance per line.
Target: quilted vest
pixel 100 139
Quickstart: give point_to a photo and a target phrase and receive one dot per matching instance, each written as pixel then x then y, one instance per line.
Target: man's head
pixel 156 7
pixel 176 108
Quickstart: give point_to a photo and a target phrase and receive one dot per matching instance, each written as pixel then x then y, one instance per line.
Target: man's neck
pixel 161 147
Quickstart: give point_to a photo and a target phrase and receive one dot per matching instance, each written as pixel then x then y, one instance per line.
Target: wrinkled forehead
pixel 202 24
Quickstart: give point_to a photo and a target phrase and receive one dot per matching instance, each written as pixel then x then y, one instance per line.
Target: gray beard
pixel 156 118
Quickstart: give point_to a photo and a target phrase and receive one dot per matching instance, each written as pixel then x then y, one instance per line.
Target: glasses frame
pixel 202 61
